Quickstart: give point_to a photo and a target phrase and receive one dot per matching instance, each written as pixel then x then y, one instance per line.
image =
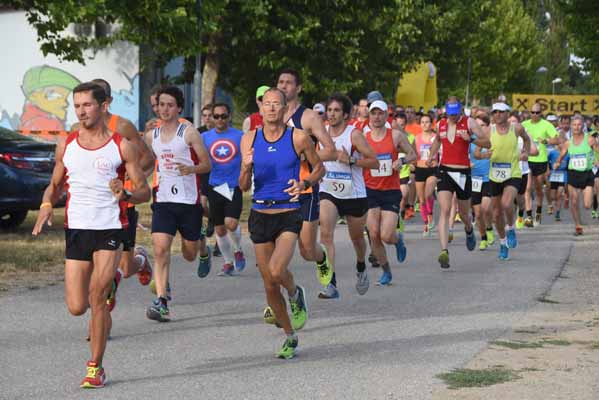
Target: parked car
pixel 25 169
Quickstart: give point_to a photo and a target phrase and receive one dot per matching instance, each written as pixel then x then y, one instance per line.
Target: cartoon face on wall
pixel 46 90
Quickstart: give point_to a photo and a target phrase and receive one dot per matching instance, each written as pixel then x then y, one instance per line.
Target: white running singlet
pixel 172 186
pixel 343 181
pixel 90 202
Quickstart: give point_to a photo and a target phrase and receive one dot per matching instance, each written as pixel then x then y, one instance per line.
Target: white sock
pixel 235 237
pixel 225 247
pixel 509 227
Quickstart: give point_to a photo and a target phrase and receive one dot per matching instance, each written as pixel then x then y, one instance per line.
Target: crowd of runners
pixel 371 166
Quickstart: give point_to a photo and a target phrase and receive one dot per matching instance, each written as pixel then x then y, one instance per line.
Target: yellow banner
pixel 558 104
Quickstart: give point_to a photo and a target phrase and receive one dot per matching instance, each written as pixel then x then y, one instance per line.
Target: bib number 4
pixel 385 166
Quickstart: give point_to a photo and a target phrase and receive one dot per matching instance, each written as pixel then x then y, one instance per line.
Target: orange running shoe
pixel 409 213
pixel 144 275
pixel 95 378
pixel 111 300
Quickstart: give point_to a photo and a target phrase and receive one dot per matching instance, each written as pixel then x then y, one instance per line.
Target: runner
pixel 383 188
pixel 542 133
pixel 254 121
pixel 580 175
pixel 425 175
pixel 504 174
pixel 453 176
pixel 342 192
pixel 300 117
pixel 361 119
pixel 275 220
pixel 481 195
pixel 181 156
pixel 91 165
pixel 224 194
pixel 558 179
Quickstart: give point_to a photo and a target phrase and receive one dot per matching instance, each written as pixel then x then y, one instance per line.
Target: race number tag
pixel 425 151
pixel 171 190
pixel 477 184
pixel 557 176
pixel 385 166
pixel 578 161
pixel 338 184
pixel 501 172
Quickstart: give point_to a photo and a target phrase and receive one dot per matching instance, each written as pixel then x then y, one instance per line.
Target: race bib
pixel 557 176
pixel 172 190
pixel 385 166
pixel 578 161
pixel 338 184
pixel 501 172
pixel 425 151
pixel 477 184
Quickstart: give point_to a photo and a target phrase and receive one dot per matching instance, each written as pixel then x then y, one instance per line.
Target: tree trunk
pixel 211 69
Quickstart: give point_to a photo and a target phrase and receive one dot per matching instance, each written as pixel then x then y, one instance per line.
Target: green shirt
pixel 581 155
pixel 404 172
pixel 540 131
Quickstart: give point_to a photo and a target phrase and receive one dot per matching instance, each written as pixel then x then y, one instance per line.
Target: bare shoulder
pixel 126 129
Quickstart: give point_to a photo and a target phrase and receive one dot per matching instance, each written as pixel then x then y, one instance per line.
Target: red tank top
pixel 456 153
pixel 384 178
pixel 256 121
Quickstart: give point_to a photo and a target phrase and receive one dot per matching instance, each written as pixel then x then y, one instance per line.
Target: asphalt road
pixel 387 344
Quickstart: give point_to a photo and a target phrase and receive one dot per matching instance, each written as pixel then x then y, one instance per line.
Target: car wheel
pixel 12 219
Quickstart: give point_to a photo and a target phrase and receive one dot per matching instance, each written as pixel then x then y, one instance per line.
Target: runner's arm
pixel 328 151
pixel 247 161
pixel 479 155
pixel 128 130
pixel 553 135
pixel 141 192
pixel 368 159
pixel 246 125
pixel 52 192
pixel 401 143
pixel 194 139
pixel 304 145
pixel 434 152
pixel 562 154
pixel 593 142
pixel 525 138
pixel 482 135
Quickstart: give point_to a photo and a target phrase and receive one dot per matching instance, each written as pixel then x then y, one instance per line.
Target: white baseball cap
pixel 381 105
pixel 319 108
pixel 500 107
pixel 552 117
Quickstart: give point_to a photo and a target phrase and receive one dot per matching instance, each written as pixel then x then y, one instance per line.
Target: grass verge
pixel 462 378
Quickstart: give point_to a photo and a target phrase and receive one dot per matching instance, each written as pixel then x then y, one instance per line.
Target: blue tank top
pixel 296 119
pixel 223 149
pixel 275 163
pixel 479 167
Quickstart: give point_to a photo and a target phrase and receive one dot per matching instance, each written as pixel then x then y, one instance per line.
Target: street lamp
pixel 553 82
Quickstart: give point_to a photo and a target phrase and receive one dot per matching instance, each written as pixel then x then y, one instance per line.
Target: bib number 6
pixel 174 190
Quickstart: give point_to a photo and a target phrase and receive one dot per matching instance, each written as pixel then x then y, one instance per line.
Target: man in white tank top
pixel 93 162
pixel 342 191
pixel 181 156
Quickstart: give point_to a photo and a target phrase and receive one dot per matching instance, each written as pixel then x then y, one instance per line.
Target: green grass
pixel 516 345
pixel 556 342
pixel 595 346
pixel 461 378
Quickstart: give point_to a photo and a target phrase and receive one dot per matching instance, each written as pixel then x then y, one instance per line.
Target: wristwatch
pixel 352 161
pixel 128 195
pixel 307 184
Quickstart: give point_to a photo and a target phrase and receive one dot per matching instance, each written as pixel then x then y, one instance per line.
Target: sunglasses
pixel 220 116
pixel 535 112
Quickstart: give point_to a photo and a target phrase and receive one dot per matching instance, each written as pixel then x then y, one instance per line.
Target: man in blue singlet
pixel 272 154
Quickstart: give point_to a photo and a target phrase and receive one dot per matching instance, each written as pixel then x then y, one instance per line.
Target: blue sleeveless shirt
pixel 275 163
pixel 296 119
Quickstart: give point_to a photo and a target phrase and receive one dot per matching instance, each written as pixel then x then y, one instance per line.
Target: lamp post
pixel 553 82
pixel 539 79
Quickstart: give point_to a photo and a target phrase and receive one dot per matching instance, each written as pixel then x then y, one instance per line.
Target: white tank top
pixel 172 186
pixel 90 202
pixel 523 164
pixel 341 180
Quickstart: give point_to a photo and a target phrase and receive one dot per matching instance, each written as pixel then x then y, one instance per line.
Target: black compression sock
pixel 483 237
pixel 520 213
pixel 360 266
pixel 539 209
pixel 529 213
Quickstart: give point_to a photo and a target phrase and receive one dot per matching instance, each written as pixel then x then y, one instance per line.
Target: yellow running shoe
pixel 324 270
pixel 483 245
pixel 519 223
pixel 269 316
pixel 490 237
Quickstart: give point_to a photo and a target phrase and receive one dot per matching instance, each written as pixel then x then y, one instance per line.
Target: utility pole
pixel 197 76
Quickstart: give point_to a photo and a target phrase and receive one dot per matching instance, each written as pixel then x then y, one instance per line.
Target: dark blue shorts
pixel 310 205
pixel 386 200
pixel 172 217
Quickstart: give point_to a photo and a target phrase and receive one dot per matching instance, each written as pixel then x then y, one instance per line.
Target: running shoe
pixel 158 311
pixel 557 216
pixel 341 221
pixel 457 218
pixel 528 222
pixel 417 207
pixel 431 226
pixel 324 270
pixel 578 231
pixel 239 261
pixel 490 237
pixel 503 252
pixel 519 223
pixel 385 279
pixel 95 377
pixel 111 300
pixel 450 236
pixel 228 270
pixel 483 245
pixel 549 210
pixel 470 240
pixel 329 292
pixel 169 296
pixel 362 282
pixel 512 242
pixel 144 275
pixel 400 225
pixel 400 248
pixel 538 218
pixel 205 264
pixel 289 348
pixel 594 214
pixel 299 309
pixel 216 252
pixel 269 316
pixel 425 231
pixel 409 213
pixel 444 259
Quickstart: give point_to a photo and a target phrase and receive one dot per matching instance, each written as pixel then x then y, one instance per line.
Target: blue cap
pixel 374 96
pixel 453 108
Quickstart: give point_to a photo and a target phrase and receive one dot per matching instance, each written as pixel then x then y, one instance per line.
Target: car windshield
pixel 8 135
